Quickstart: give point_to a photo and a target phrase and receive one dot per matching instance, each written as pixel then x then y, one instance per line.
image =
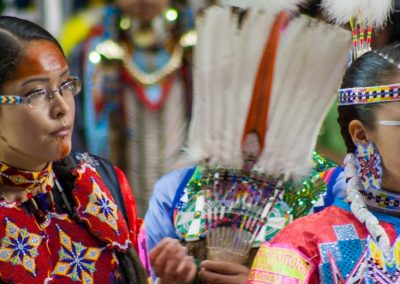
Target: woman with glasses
pixel 63 216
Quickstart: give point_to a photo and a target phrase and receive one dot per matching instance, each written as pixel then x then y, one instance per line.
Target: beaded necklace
pixel 30 181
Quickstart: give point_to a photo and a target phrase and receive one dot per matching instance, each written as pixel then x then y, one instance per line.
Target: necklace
pixel 113 50
pixel 39 182
pixel 12 176
pixel 151 78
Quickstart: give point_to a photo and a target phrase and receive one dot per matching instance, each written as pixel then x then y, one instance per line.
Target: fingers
pixel 224 267
pixel 170 261
pixel 186 271
pixel 223 272
pixel 160 247
pixel 172 251
pixel 216 278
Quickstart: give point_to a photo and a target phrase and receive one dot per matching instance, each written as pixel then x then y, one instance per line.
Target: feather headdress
pixel 261 89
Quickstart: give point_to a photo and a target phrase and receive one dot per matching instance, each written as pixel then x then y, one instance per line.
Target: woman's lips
pixel 62 132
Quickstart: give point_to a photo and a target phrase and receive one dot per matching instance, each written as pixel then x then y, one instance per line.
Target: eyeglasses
pixel 37 98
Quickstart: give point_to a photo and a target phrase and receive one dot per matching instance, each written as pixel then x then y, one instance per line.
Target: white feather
pixel 369 12
pixel 376 12
pixel 306 77
pixel 225 65
pixel 341 11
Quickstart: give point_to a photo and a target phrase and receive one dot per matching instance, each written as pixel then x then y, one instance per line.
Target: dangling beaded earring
pixel 369 166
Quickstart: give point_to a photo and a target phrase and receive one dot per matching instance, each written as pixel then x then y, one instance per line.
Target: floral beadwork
pixel 76 261
pixel 97 208
pixel 101 206
pixel 20 247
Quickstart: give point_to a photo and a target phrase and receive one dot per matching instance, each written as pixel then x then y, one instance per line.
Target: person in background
pixel 136 98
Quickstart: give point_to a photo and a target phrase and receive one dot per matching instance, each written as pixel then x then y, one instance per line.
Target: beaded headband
pixel 367 95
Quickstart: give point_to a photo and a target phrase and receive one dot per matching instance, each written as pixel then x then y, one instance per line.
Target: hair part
pixel 15 34
pixel 374 68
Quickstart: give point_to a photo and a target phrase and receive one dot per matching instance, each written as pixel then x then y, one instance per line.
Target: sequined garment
pixel 331 246
pixel 189 215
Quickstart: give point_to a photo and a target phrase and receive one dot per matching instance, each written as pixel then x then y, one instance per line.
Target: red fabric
pixel 17 273
pixel 29 252
pixel 116 234
pixel 80 243
pixel 134 223
pixel 307 233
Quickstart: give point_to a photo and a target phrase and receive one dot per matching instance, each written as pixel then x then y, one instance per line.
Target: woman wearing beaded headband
pixel 354 240
pixel 59 221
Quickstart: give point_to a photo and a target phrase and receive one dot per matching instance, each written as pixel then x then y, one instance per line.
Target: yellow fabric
pixel 77 28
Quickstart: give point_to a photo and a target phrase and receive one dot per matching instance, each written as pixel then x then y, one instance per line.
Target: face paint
pixel 389 122
pixel 65 147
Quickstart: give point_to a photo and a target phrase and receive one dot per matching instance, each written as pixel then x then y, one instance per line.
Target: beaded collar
pixel 12 176
pixel 28 180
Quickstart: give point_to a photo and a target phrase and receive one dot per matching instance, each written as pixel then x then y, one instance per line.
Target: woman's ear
pixel 358 132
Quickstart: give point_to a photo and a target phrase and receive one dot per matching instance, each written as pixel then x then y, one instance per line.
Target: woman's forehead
pixel 40 57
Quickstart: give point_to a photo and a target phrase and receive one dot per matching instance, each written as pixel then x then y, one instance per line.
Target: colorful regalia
pixel 83 234
pixel 356 240
pixel 331 246
pixel 248 151
pixel 136 97
pixel 177 206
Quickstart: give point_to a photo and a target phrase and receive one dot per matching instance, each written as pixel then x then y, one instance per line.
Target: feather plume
pixel 306 78
pixel 225 65
pixel 369 12
pixel 376 12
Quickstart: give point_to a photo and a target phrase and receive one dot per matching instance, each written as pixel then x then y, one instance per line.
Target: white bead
pixel 349 157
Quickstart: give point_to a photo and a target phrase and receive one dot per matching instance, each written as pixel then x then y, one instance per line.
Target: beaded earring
pixel 369 166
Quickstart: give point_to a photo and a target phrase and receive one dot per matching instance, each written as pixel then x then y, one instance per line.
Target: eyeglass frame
pixel 20 100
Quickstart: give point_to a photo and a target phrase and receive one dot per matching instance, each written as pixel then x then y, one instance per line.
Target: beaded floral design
pixel 76 262
pixel 102 207
pixel 19 247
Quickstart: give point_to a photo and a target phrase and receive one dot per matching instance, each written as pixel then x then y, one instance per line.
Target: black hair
pixel 371 69
pixel 15 34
